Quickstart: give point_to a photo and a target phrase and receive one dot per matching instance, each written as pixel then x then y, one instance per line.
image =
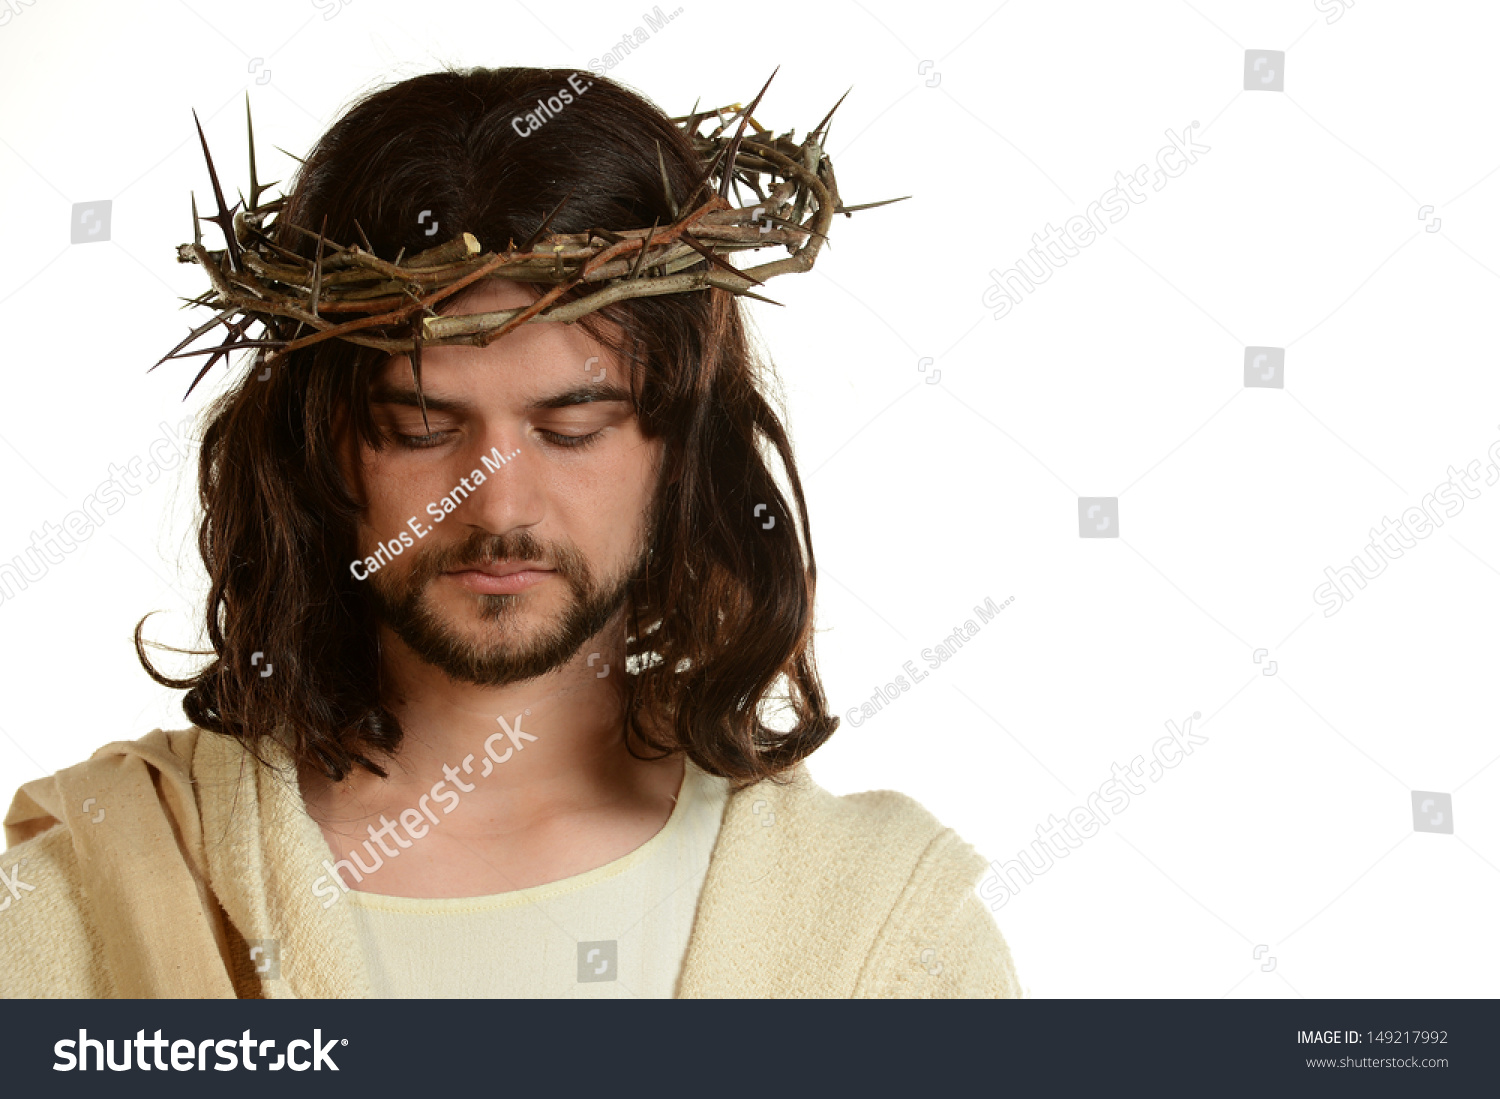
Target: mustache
pixel 481 548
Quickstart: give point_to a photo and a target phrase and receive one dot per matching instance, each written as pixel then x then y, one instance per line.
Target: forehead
pixel 533 359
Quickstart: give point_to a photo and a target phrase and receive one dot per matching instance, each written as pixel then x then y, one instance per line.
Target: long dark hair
pixel 724 612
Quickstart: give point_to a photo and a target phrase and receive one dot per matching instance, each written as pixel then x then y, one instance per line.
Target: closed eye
pixel 556 438
pixel 572 442
pixel 420 442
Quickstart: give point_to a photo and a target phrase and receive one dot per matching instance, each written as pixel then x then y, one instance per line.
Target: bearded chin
pixel 500 652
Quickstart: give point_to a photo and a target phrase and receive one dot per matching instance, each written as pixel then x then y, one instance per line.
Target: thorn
pixel 666 184
pixel 826 118
pixel 749 294
pixel 734 146
pixel 869 205
pixel 696 245
pixel 546 221
pixel 416 369
pixel 223 218
pixel 256 187
pixel 362 236
pixel 317 281
pixel 645 246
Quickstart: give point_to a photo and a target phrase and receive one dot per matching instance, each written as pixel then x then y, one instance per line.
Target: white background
pixel 1122 375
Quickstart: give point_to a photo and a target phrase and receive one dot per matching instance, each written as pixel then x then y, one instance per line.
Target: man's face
pixel 569 488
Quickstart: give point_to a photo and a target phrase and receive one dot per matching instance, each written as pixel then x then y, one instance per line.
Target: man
pixel 496 630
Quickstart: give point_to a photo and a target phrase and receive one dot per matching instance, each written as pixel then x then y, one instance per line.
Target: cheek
pixel 633 481
pixel 605 511
pixel 392 494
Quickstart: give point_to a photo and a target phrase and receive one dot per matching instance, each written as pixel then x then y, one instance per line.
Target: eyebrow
pixel 595 393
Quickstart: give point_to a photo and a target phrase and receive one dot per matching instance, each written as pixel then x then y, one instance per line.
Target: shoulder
pixel 76 793
pixel 48 945
pixel 884 837
pixel 872 881
pixel 56 830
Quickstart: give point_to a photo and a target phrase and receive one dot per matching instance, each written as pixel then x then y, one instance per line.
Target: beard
pixel 503 654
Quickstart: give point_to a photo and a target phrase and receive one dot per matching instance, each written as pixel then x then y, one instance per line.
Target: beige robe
pixel 152 869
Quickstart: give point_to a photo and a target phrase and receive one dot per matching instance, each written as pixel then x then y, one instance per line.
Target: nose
pixel 512 492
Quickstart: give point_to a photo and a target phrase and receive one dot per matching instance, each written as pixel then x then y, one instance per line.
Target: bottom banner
pixel 1173 1047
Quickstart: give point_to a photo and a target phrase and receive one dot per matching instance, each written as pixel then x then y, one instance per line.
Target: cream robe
pixel 189 850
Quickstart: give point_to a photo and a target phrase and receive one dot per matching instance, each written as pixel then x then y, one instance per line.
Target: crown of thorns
pixel 346 292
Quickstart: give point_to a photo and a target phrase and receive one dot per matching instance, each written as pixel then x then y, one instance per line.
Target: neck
pixel 551 742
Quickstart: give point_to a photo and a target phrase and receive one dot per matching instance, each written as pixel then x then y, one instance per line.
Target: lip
pixel 502 568
pixel 500 578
